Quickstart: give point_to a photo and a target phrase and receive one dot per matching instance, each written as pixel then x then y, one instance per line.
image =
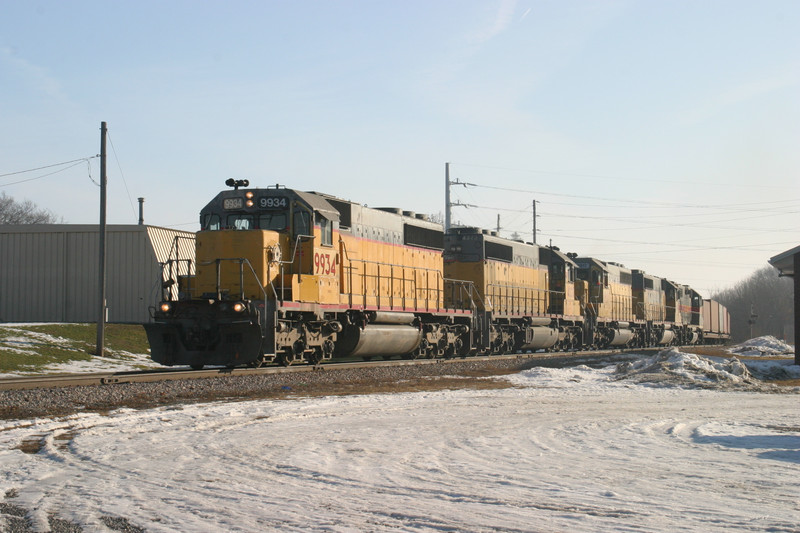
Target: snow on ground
pixel 26 342
pixel 118 361
pixel 658 445
pixel 767 346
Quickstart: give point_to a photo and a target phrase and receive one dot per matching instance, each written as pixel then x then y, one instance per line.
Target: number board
pixel 273 202
pixel 232 203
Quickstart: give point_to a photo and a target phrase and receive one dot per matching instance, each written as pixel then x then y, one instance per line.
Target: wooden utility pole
pixel 101 321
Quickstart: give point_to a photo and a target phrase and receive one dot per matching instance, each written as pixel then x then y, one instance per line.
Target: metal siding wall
pixel 127 269
pixel 81 274
pixel 49 273
pixel 29 277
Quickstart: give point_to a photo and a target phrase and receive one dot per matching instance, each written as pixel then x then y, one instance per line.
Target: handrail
pixel 169 267
pixel 509 302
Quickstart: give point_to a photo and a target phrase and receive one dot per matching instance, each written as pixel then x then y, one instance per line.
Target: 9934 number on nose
pixel 324 263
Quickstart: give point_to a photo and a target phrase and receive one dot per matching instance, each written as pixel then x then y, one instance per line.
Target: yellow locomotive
pixel 291 276
pixel 511 285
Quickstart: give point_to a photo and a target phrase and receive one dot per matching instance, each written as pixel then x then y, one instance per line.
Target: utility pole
pixel 448 205
pixel 753 317
pixel 101 321
pixel 446 197
pixel 498 223
pixel 534 222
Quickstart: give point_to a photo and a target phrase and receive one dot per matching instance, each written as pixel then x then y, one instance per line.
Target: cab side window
pixel 326 230
pixel 302 223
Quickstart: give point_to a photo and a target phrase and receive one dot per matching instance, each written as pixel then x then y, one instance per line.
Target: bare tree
pixel 13 212
pixel 762 304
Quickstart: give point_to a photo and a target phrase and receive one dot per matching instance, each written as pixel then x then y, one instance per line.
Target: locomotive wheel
pixel 509 346
pixel 196 367
pixel 315 356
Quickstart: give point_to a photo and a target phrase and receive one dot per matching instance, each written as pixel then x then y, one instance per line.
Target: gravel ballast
pixel 31 403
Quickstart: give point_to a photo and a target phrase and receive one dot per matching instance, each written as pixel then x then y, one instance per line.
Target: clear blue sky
pixel 661 134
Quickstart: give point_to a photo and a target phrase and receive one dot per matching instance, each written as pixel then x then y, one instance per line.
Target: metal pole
pixel 141 212
pixel 446 197
pixel 101 321
pixel 534 222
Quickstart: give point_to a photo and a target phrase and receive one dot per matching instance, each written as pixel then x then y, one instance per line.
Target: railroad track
pixel 167 374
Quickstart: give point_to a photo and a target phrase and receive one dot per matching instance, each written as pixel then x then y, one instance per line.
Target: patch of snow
pixel 25 342
pixel 767 346
pixel 101 364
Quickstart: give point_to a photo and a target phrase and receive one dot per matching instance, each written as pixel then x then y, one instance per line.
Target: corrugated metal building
pixel 49 272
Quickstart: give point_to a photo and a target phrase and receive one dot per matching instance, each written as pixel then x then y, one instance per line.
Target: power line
pixel 122 174
pixel 75 163
pixel 693 248
pixel 48 166
pixel 606 177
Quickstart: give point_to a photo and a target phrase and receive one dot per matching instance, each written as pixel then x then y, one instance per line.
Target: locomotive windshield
pixel 240 221
pixel 273 221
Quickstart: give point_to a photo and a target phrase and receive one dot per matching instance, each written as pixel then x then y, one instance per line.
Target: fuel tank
pixel 620 337
pixel 378 339
pixel 538 337
pixel 667 336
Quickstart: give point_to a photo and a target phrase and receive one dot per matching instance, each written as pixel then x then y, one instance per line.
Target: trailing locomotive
pixel 291 276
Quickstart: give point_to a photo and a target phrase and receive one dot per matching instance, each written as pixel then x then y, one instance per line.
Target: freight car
pixel 290 276
pixel 716 323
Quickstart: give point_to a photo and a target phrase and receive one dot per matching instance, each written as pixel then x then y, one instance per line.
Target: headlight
pixel 166 307
pixel 239 307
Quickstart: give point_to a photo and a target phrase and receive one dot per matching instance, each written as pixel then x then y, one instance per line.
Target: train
pixel 286 276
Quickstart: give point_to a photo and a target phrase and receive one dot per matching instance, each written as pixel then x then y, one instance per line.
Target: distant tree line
pixel 13 212
pixel 764 302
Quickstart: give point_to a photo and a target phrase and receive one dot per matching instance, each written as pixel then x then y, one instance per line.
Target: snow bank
pixel 772 370
pixel 762 347
pixel 675 367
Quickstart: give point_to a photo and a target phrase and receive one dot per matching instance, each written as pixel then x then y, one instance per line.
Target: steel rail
pixel 168 374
